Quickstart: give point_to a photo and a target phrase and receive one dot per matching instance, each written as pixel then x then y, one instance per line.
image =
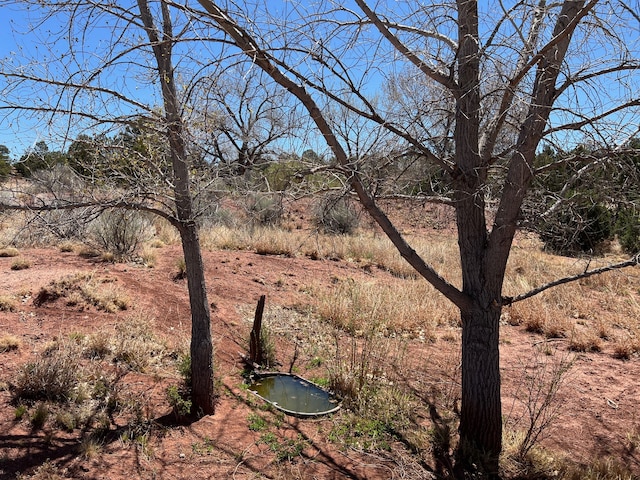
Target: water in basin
pixel 294 395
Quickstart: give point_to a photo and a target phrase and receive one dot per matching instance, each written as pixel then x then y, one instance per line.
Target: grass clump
pixel 54 375
pixel 9 343
pixel 20 263
pixel 39 416
pixel 85 289
pixel 9 252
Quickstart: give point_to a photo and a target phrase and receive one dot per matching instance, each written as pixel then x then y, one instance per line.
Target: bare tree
pixel 243 120
pixel 109 67
pixel 513 76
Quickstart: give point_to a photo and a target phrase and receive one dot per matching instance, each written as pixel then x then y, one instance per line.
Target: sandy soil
pixel 598 417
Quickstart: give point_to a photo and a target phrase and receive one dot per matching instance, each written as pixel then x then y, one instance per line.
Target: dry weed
pixel 9 252
pixel 409 307
pixel 9 342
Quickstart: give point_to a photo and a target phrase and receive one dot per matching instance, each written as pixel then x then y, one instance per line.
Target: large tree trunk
pixel 481 409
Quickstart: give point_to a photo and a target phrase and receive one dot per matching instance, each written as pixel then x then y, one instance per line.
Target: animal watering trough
pixel 293 394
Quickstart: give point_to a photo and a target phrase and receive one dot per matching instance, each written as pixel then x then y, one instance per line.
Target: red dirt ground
pixel 599 403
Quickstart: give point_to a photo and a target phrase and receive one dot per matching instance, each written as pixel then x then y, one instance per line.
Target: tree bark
pixel 481 409
pixel 202 366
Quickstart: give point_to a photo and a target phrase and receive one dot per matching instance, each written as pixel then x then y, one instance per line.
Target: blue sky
pixel 10 46
pixel 19 133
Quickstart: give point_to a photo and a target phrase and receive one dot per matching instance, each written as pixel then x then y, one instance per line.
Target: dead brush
pixel 54 375
pixel 536 406
pixel 84 289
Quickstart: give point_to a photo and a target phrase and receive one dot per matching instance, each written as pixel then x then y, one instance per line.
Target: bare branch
pixel 632 262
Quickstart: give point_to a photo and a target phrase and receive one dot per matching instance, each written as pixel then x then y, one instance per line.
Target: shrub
pixel 54 375
pixel 627 228
pixel 575 229
pixel 121 231
pixel 179 401
pixel 265 209
pixel 336 214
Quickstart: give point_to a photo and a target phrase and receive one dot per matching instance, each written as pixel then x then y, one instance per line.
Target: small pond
pixel 293 394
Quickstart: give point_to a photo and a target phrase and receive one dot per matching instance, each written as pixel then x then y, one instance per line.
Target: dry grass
pixel 567 311
pixel 406 307
pixel 135 344
pixel 20 263
pixel 85 289
pixel 7 303
pixel 54 375
pixel 69 246
pixel 9 252
pixel 9 342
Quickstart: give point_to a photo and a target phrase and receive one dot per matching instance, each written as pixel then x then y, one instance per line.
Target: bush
pixel 54 375
pixel 336 214
pixel 628 230
pixel 265 209
pixel 576 229
pixel 179 401
pixel 121 231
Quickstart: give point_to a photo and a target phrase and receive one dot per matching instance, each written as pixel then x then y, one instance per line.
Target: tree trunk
pixel 481 409
pixel 202 366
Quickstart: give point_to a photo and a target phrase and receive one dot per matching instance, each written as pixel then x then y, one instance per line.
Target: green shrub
pixel 336 214
pixel 265 209
pixel 575 229
pixel 628 230
pixel 121 231
pixel 179 401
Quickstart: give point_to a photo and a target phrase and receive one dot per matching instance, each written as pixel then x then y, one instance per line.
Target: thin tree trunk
pixel 202 366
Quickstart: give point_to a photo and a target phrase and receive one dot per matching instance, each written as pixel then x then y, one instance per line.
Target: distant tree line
pixel 577 203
